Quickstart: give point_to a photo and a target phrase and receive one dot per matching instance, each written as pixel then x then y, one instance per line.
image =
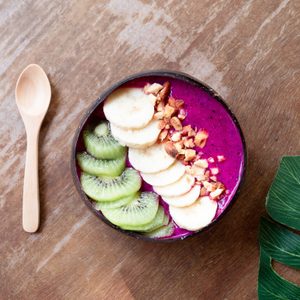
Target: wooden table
pixel 246 50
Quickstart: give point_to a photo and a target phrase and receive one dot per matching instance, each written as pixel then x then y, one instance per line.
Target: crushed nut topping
pixel 184 142
pixel 169 111
pixel 189 154
pixel 163 135
pixel 159 115
pixel 171 149
pixel 201 138
pixel 176 136
pixel 220 158
pixel 164 92
pixel 154 88
pixel 176 123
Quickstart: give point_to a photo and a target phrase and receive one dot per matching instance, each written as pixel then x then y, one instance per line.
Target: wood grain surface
pixel 247 50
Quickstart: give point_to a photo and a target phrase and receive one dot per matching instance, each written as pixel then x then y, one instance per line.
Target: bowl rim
pixel 163 73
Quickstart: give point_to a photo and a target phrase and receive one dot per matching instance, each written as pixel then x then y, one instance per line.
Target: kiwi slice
pixel 161 232
pixel 141 210
pixel 102 129
pixel 114 204
pixel 101 144
pixel 166 220
pixel 98 167
pixel 158 221
pixel 105 188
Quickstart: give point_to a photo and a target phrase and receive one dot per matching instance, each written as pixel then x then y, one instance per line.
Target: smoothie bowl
pixel 159 156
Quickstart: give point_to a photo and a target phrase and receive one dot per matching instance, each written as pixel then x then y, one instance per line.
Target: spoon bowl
pixel 33 94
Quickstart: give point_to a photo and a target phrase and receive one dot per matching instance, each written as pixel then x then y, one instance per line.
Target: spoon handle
pixel 31 202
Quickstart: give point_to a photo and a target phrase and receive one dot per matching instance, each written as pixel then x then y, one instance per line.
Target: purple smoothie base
pixel 203 112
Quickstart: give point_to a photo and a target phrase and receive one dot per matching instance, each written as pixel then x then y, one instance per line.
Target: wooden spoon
pixel 33 94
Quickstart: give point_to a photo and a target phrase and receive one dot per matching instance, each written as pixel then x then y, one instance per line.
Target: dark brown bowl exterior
pixel 162 73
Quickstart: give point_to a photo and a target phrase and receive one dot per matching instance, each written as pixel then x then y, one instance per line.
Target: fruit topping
pixel 162 232
pixel 195 216
pixel 98 167
pixel 101 144
pixel 158 221
pixel 129 108
pixel 184 200
pixel 179 187
pixel 104 188
pixel 140 211
pixel 150 160
pixel 165 177
pixel 99 205
pixel 137 138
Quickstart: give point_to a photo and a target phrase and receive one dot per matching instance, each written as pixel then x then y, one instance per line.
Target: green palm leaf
pixel 276 241
pixel 280 243
pixel 283 199
pixel 271 286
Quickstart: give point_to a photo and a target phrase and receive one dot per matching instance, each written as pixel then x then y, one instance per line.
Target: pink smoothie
pixel 203 111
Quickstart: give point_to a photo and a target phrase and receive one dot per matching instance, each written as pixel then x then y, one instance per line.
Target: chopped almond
pixel 214 171
pixel 170 149
pixel 213 178
pixel 162 124
pixel 203 191
pixel 181 117
pixel 215 194
pixel 211 160
pixel 186 129
pixel 208 185
pixel 179 146
pixel 201 138
pixel 160 106
pixel 189 154
pixel 167 126
pixel 164 92
pixel 181 157
pixel 201 177
pixel 154 88
pixel 169 111
pixel 207 174
pixel 220 185
pixel 179 103
pixel 189 143
pixel 176 123
pixel 172 102
pixel 176 136
pixel 220 158
pixel 201 163
pixel 197 171
pixel 163 135
pixel 159 115
pixel 192 133
pixel 182 114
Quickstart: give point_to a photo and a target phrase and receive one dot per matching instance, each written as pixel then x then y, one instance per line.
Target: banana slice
pixel 179 187
pixel 165 177
pixel 150 160
pixel 129 108
pixel 195 216
pixel 186 199
pixel 137 138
